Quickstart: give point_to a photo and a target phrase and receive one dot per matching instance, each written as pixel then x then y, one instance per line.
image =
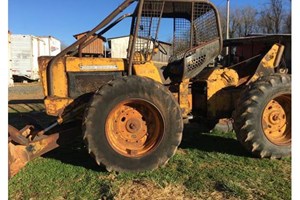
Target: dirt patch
pixel 146 190
pixel 139 190
pixel 216 195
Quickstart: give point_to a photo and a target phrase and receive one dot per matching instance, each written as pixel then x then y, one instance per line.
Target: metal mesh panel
pixel 205 24
pixel 147 30
pixel 205 30
pixel 181 40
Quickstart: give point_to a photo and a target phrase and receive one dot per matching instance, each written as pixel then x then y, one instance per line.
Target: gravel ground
pixel 26 91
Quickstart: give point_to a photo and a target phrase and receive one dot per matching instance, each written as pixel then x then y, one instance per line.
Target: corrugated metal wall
pixel 96 47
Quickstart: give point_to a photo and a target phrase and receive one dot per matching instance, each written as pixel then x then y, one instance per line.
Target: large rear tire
pixel 262 121
pixel 132 124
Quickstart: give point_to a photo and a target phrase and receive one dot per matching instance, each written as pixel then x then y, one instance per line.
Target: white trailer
pixel 10 77
pixel 25 50
pixel 51 46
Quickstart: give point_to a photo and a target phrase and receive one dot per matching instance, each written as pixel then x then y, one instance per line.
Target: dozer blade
pixel 23 147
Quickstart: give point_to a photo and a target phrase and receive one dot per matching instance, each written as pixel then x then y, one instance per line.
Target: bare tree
pixel 274 17
pixel 287 26
pixel 271 17
pixel 242 21
pixel 248 21
pixel 265 22
pixel 235 23
pixel 276 8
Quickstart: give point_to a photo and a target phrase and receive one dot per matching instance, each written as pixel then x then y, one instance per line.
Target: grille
pixel 196 62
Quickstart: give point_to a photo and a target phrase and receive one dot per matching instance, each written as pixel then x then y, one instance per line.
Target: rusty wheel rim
pixel 134 128
pixel 276 120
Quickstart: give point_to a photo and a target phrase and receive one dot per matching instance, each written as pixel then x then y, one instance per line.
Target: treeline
pixel 272 18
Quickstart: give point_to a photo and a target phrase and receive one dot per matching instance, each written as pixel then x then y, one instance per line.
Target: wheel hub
pixel 136 128
pixel 275 122
pixel 130 125
pixel 133 125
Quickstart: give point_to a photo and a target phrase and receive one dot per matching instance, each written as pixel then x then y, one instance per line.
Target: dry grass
pixel 139 190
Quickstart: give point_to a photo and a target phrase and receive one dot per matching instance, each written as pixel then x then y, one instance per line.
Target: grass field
pixel 206 166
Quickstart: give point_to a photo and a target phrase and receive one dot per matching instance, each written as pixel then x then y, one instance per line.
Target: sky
pixel 64 18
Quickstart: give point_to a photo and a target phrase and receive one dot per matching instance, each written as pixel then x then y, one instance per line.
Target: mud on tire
pixel 262 121
pixel 132 124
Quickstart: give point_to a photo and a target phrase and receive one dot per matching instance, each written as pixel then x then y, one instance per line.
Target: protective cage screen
pixel 148 30
pixel 197 18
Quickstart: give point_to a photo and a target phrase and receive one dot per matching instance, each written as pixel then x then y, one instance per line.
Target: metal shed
pixel 119 45
pixel 95 48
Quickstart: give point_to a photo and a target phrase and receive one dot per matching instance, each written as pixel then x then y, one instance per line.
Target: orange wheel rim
pixel 134 128
pixel 276 120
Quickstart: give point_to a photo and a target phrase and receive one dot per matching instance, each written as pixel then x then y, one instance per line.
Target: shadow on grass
pixel 74 152
pixel 72 149
pixel 195 137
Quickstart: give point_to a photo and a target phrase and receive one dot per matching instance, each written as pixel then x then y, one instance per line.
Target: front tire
pixel 133 124
pixel 262 121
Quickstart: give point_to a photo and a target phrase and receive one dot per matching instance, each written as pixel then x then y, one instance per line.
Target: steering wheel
pixel 159 46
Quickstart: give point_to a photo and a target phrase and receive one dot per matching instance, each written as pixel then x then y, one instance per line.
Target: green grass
pixel 207 165
pixel 204 164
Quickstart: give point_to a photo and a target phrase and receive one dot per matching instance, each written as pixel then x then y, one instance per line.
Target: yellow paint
pixel 59 100
pixel 55 106
pixel 147 70
pixel 43 62
pixel 43 145
pixel 269 61
pixel 92 64
pixel 74 64
pixel 59 81
pixel 138 57
pixel 155 50
pixel 216 80
pixel 254 77
pixel 185 99
pixel 219 79
pixel 221 104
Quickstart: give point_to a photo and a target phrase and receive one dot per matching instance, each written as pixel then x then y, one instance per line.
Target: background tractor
pixel 133 109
